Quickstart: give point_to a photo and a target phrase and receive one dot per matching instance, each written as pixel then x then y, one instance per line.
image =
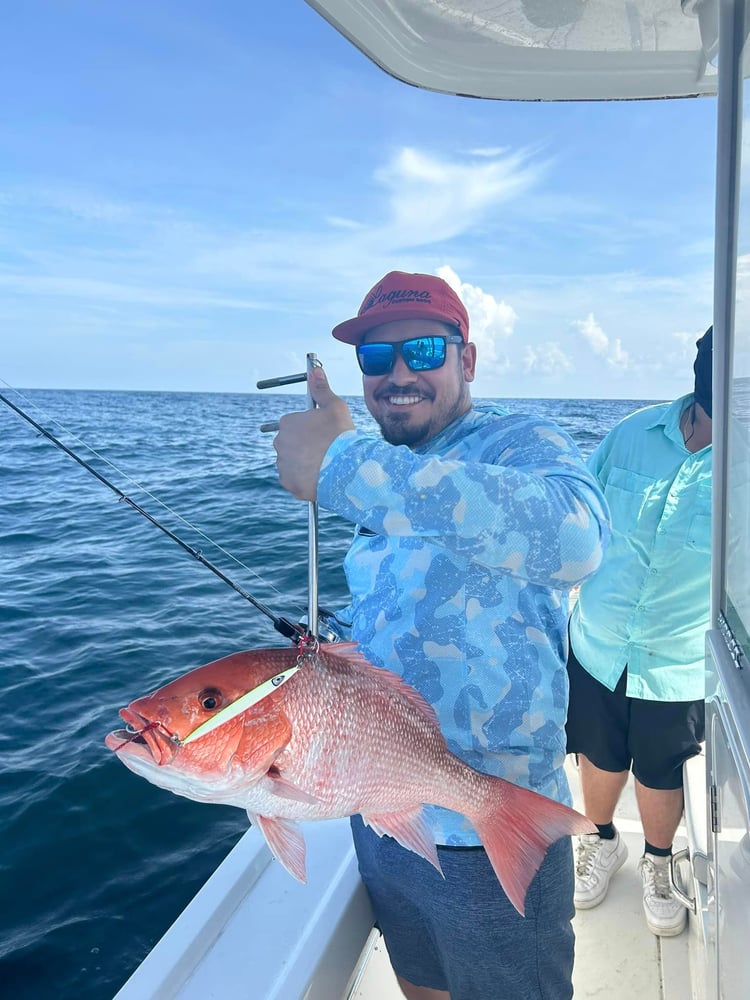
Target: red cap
pixel 405 296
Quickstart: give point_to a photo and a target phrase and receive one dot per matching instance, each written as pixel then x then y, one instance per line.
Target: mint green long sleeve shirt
pixel 647 607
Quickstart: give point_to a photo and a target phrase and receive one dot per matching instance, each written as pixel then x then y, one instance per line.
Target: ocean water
pixel 97 607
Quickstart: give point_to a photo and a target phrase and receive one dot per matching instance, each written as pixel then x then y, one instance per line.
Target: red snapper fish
pixel 321 733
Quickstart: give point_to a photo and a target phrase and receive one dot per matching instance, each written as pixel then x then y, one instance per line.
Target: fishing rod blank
pixel 288 629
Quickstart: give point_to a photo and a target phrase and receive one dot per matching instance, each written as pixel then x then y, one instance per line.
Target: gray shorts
pixel 461 933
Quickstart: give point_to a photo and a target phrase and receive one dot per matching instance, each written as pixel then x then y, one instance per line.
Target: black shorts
pixel 614 731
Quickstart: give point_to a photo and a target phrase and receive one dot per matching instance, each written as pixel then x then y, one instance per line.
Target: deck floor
pixel 617 957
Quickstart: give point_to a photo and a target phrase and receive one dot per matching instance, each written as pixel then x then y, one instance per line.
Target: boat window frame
pixel 729 407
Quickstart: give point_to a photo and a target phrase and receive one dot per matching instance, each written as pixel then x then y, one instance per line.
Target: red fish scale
pixel 350 723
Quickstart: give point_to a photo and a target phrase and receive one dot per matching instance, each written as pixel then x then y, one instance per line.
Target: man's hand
pixel 304 438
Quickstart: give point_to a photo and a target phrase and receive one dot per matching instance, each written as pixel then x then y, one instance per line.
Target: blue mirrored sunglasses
pixel 420 354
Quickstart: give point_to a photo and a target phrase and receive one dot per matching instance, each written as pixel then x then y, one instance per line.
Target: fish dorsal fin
pixel 350 651
pixel 410 829
pixel 285 839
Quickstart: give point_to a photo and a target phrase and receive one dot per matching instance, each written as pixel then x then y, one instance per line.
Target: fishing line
pixel 282 625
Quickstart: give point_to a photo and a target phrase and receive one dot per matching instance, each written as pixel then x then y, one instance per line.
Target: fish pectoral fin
pixel 277 784
pixel 410 829
pixel 287 844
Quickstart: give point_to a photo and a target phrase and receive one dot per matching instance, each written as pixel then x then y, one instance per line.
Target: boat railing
pixel 257 932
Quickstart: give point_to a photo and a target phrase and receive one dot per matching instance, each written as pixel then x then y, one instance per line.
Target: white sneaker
pixel 665 915
pixel 597 861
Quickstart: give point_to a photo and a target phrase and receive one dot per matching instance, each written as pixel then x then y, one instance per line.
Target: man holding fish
pixel 472 525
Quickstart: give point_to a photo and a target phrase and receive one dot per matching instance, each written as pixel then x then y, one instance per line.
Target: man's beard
pixel 397 430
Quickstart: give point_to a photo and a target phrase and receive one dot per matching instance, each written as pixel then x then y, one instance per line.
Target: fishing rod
pixel 289 630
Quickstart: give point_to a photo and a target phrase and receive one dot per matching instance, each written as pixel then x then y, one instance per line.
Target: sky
pixel 192 196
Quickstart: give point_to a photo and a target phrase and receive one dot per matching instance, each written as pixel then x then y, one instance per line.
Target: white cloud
pixel 490 151
pixel 297 276
pixel 94 291
pixel 685 343
pixel 611 351
pixel 546 359
pixel 490 321
pixel 593 334
pixel 618 357
pixel 432 199
pixel 340 223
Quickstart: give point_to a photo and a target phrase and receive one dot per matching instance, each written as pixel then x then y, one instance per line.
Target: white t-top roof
pixel 536 50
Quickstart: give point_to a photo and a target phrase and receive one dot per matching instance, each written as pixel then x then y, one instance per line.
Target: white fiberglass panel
pixel 537 49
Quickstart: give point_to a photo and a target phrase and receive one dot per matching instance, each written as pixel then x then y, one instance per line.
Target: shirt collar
pixel 669 418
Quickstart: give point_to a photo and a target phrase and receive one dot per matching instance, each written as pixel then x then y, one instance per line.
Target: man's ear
pixel 469 361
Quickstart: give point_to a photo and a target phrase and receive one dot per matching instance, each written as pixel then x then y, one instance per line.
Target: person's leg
pixel 489 950
pixel 601 790
pixel 412 992
pixel 459 936
pixel 660 811
pixel 663 736
pixel 597 732
pixel 388 872
pixel 600 855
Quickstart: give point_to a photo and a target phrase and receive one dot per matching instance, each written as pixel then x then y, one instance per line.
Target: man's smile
pixel 403 400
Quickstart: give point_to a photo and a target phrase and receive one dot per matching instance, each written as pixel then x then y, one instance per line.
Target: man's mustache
pixel 403 390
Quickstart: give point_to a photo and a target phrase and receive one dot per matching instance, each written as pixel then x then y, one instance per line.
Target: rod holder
pixel 271 383
pixel 312 514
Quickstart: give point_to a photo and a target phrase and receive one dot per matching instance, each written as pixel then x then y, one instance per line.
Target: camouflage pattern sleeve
pixel 509 492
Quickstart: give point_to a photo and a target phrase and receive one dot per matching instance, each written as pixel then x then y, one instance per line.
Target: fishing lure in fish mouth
pixel 132 735
pixel 307 647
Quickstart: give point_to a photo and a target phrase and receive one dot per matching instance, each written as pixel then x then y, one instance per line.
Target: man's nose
pixel 401 373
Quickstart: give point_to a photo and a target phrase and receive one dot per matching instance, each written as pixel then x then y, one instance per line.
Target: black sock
pixel 606 831
pixel 658 852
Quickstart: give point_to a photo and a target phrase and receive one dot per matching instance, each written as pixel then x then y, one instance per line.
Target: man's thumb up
pixel 304 437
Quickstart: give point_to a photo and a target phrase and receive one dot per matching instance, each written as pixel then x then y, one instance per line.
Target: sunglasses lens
pixel 424 353
pixel 375 359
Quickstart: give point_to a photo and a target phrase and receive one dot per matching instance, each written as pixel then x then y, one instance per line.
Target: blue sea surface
pixel 98 607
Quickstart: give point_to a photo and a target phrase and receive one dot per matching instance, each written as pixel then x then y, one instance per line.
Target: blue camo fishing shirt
pixel 459 572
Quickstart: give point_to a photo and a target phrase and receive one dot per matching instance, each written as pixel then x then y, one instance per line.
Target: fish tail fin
pixel 517 830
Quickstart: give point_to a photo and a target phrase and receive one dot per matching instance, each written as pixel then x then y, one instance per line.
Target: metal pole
pixel 312 530
pixel 312 515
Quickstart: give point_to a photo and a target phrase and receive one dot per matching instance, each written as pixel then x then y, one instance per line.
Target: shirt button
pixel 653 572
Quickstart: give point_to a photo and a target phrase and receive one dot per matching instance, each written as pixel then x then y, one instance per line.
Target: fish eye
pixel 210 699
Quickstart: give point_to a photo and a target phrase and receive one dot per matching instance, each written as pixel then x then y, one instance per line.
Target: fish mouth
pixel 143 738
